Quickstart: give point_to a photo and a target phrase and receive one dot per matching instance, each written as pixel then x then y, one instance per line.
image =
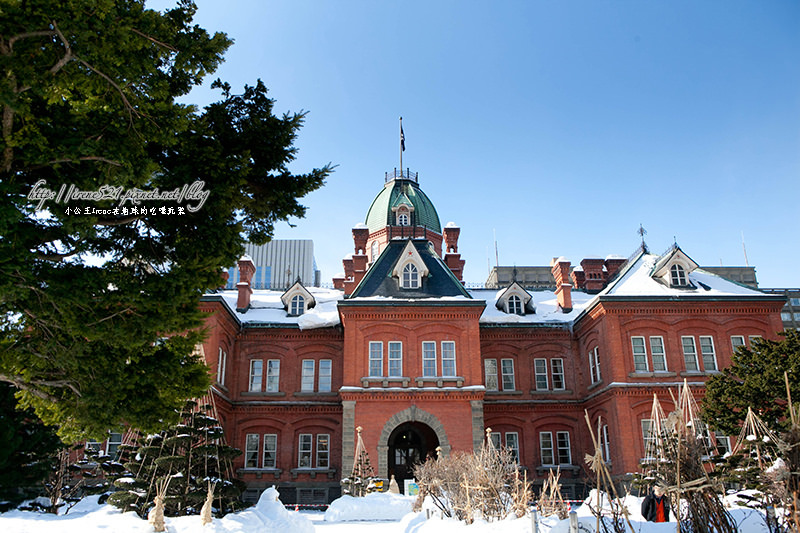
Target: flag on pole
pixel 402 137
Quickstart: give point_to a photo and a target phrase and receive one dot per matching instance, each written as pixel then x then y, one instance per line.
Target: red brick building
pixel 403 350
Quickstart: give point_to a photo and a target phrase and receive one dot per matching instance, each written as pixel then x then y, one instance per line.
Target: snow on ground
pixel 386 513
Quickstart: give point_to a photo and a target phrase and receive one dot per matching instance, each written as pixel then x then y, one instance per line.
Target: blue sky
pixel 559 127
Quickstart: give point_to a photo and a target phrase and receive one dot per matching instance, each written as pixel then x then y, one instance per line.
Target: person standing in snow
pixel 655 507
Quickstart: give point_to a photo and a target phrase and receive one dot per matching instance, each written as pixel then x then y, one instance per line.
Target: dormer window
pixel 515 305
pixel 298 305
pixel 410 277
pixel 402 219
pixel 677 276
pixel 297 300
pixel 515 300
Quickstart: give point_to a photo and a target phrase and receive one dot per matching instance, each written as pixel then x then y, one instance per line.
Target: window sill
pixel 595 385
pixel 699 373
pixel 331 472
pixel 385 381
pixel 504 393
pixel 263 394
pixel 551 391
pixel 544 469
pixel 440 380
pixel 665 373
pixel 260 472
pixel 316 394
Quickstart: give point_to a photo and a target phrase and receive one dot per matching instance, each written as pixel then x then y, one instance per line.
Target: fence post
pixel 573 522
pixel 534 521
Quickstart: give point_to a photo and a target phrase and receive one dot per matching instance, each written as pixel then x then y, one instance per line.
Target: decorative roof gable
pixel 295 290
pixel 412 256
pixel 673 268
pixel 525 299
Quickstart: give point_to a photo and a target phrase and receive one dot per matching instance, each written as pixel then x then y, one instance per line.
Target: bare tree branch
pixel 33 386
pixel 131 110
pixel 101 159
pixel 67 55
pixel 165 45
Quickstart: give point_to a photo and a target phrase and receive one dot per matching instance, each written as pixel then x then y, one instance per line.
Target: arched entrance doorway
pixel 410 443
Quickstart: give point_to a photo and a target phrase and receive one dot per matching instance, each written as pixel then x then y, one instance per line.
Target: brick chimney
pixel 246 270
pixel 451 256
pixel 613 264
pixel 360 236
pixel 560 269
pixel 593 270
pixel 224 276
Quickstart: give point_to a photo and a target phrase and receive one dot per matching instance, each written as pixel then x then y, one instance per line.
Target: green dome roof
pixel 396 192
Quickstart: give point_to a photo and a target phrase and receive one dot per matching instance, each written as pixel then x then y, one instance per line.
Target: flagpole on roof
pixel 402 146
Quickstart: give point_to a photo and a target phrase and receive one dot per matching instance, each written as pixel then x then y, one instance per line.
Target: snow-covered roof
pixel 636 281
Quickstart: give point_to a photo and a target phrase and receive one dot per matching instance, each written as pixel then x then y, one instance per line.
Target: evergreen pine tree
pixel 189 454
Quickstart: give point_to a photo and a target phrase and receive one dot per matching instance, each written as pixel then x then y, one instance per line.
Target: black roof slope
pixel 439 282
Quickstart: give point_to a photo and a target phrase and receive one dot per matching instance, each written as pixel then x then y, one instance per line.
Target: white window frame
pixel 540 374
pixel 410 277
pixel 558 373
pixel 677 276
pixel 658 353
pixel 113 443
pixel 273 375
pixel 270 447
pixel 507 374
pixel 496 439
pixel 403 219
pixel 490 373
pixel 222 363
pixel 375 365
pixel 298 305
pixel 723 441
pixel 395 359
pixel 546 448
pixel 305 450
pixel 251 448
pixel 639 350
pixel 256 375
pixel 648 436
pixel 325 375
pixel 735 344
pixel 323 459
pixel 564 448
pixel 374 250
pixel 604 443
pixel 689 356
pixel 512 443
pixel 448 359
pixel 307 375
pixel 429 365
pixel 594 365
pixel 515 305
pixel 708 356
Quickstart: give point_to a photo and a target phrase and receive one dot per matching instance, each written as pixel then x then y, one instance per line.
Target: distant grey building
pixel 790 314
pixel 279 264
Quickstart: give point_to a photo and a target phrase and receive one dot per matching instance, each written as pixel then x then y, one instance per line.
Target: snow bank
pixel 373 506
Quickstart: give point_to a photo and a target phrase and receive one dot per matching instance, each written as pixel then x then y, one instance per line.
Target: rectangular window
pixel 325 372
pixel 689 353
pixel 429 359
pixel 753 338
pixel 604 443
pixel 658 355
pixel 114 440
pixel 270 451
pixel 540 371
pixel 736 342
pixel 307 380
pixel 512 443
pixel 273 375
pixel 546 447
pixel 251 450
pixel 639 354
pixel 395 359
pixel 448 358
pixel 256 368
pixel 222 362
pixel 564 452
pixel 495 439
pixel 594 365
pixel 648 438
pixel 376 359
pixel 707 351
pixel 507 371
pixel 304 451
pixel 490 369
pixel 557 367
pixel 323 450
pixel 723 444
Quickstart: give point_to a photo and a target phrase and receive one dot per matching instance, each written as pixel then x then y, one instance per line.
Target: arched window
pixel 410 277
pixel 402 219
pixel 678 276
pixel 515 305
pixel 298 305
pixel 374 250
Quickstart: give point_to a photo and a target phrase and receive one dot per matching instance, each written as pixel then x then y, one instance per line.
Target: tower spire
pixel 402 145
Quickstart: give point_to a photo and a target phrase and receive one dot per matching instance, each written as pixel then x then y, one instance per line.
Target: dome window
pixel 402 219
